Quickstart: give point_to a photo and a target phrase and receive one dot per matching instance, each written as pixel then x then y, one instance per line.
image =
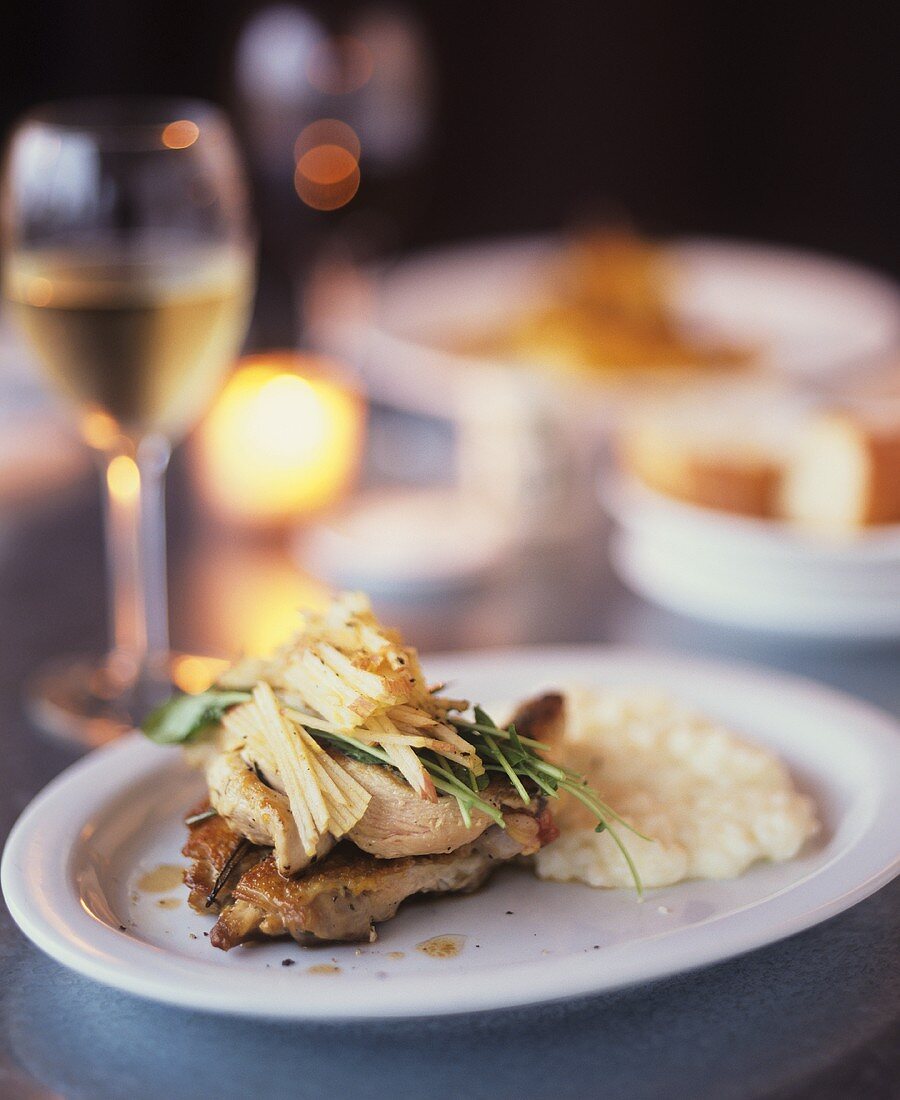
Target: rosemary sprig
pixel 204 815
pixel 228 867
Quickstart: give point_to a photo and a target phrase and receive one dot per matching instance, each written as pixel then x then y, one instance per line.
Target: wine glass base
pixel 90 701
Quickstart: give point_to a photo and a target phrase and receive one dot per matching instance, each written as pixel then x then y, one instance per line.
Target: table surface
pixel 814 1016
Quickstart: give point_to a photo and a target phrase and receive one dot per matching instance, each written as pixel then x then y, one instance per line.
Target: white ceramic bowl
pixel 751 572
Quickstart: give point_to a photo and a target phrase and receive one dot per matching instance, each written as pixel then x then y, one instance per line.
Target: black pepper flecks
pixel 287 962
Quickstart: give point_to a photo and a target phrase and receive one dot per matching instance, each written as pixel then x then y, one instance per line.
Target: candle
pixel 283 441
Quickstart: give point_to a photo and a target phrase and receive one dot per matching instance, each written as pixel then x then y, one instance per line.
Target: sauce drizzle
pixel 161 879
pixel 442 947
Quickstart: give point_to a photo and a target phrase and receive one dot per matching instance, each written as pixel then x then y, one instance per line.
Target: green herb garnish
pixel 182 717
pixel 503 750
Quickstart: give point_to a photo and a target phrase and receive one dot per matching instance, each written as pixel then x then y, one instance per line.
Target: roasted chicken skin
pixel 542 718
pixel 210 845
pixel 343 896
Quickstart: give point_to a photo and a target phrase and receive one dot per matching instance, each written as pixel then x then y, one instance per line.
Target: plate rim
pixel 100 957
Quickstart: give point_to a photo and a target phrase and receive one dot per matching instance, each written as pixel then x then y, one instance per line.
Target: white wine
pixel 144 334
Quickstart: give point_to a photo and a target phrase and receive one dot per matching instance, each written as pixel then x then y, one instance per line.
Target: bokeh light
pixel 327 177
pixel 123 479
pixel 194 674
pixel 249 601
pixel 180 134
pixel 39 291
pixel 98 429
pixel 327 173
pixel 327 131
pixel 283 440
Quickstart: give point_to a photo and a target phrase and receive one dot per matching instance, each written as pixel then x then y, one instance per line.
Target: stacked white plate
pixel 754 573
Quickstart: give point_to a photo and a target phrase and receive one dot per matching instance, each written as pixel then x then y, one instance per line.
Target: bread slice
pixel 759 448
pixel 718 447
pixel 738 480
pixel 845 470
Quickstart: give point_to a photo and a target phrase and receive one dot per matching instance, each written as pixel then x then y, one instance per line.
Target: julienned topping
pixel 337 736
pixel 346 682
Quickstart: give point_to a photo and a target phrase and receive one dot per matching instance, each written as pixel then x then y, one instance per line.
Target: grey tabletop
pixel 813 1016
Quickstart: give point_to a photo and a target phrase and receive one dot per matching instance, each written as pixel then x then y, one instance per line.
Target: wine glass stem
pixel 134 483
pixel 153 456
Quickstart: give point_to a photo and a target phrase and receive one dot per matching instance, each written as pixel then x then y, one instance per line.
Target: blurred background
pixel 770 121
pixel 433 424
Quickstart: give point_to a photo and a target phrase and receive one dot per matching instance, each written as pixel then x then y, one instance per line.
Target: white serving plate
pixel 71 864
pixel 812 317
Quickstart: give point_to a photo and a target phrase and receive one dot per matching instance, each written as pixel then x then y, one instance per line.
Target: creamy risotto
pixel 713 803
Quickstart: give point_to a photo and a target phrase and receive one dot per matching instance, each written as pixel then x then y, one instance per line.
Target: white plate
pixel 72 861
pixel 811 315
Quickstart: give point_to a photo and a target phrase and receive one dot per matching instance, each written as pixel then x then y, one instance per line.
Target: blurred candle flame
pixel 328 194
pixel 283 440
pixel 98 429
pixel 194 674
pixel 327 131
pixel 326 164
pixel 246 598
pixel 39 291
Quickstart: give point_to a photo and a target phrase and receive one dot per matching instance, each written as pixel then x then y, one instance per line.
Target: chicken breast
pixel 397 822
pixel 254 809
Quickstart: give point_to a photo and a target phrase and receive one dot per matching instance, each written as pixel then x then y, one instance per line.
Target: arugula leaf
pixel 483 718
pixel 184 716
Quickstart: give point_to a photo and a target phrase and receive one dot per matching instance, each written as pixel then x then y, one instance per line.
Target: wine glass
pixel 128 258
